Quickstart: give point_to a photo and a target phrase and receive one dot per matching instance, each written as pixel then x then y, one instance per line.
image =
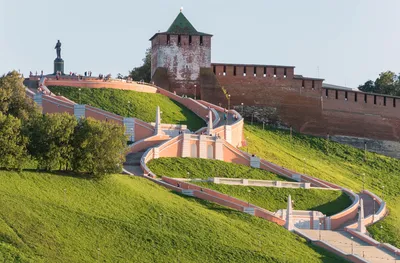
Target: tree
pixel 143 72
pixel 387 83
pixel 99 147
pixel 50 140
pixel 13 99
pixel 13 151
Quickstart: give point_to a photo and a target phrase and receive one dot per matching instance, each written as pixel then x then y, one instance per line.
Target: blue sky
pixel 350 41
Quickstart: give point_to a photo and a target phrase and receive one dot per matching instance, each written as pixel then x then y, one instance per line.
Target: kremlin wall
pixel 181 63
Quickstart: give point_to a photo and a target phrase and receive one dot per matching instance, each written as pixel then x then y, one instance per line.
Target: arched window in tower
pixel 255 71
pixel 168 39
pixel 365 98
pixel 313 84
pixel 394 102
pixel 214 69
pixel 345 95
pixel 303 85
pixel 179 40
pixel 265 72
pixel 274 72
pixel 326 92
pixel 190 40
pixel 384 101
pixel 234 70
pixel 244 71
pixel 374 99
pixel 285 73
pixel 224 70
pixel 201 40
pixel 336 94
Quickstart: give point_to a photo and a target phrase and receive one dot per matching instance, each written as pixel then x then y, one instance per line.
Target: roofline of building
pixel 307 78
pixel 168 33
pixel 251 65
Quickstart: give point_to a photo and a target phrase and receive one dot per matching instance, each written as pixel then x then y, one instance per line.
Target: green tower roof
pixel 182 26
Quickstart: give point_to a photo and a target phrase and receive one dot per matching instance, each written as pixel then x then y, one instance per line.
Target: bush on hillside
pixel 50 140
pixel 12 143
pixel 13 99
pixel 98 147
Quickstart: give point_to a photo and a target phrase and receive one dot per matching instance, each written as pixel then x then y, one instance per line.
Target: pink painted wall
pixel 148 142
pixel 102 84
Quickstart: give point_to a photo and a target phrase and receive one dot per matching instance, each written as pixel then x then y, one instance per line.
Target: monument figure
pixel 58 62
pixel 58 49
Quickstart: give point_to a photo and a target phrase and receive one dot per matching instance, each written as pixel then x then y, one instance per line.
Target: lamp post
pixel 249 191
pixel 373 215
pixel 242 108
pixel 383 192
pixel 229 107
pixel 252 115
pixel 195 91
pixel 352 245
pixel 79 95
pixel 320 225
pixel 129 107
pixel 363 181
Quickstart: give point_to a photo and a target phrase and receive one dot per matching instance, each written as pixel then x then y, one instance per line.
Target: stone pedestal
pixel 59 66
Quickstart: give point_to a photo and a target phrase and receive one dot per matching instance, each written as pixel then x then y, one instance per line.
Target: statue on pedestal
pixel 58 49
pixel 58 62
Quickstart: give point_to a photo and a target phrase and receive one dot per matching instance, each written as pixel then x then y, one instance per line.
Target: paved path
pixel 343 241
pixel 368 209
pixel 132 163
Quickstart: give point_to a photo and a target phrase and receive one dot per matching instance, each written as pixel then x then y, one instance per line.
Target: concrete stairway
pixel 352 245
pixel 132 163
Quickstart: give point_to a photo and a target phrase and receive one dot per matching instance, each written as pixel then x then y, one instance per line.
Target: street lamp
pixel 263 124
pixel 229 107
pixel 195 91
pixel 352 245
pixel 320 225
pixel 383 192
pixel 79 95
pixel 373 215
pixel 363 174
pixel 249 197
pixel 242 108
pixel 129 107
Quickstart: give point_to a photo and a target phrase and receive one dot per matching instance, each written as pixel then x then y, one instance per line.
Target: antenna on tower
pixel 181 9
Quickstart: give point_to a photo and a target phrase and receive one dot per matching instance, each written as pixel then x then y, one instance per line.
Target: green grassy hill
pixel 337 163
pixel 273 199
pixel 142 105
pixel 59 218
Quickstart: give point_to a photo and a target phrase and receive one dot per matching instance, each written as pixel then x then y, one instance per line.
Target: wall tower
pixel 177 56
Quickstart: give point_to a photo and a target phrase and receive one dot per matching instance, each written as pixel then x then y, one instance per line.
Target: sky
pixel 346 42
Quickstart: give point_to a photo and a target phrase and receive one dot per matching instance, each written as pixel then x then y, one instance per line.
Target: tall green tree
pixel 13 99
pixel 143 72
pixel 387 83
pixel 99 147
pixel 50 140
pixel 13 151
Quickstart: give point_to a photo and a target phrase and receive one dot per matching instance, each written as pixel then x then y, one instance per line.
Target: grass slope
pixel 142 105
pixel 56 218
pixel 327 202
pixel 337 163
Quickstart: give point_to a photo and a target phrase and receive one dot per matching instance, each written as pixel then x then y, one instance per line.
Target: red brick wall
pixel 302 102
